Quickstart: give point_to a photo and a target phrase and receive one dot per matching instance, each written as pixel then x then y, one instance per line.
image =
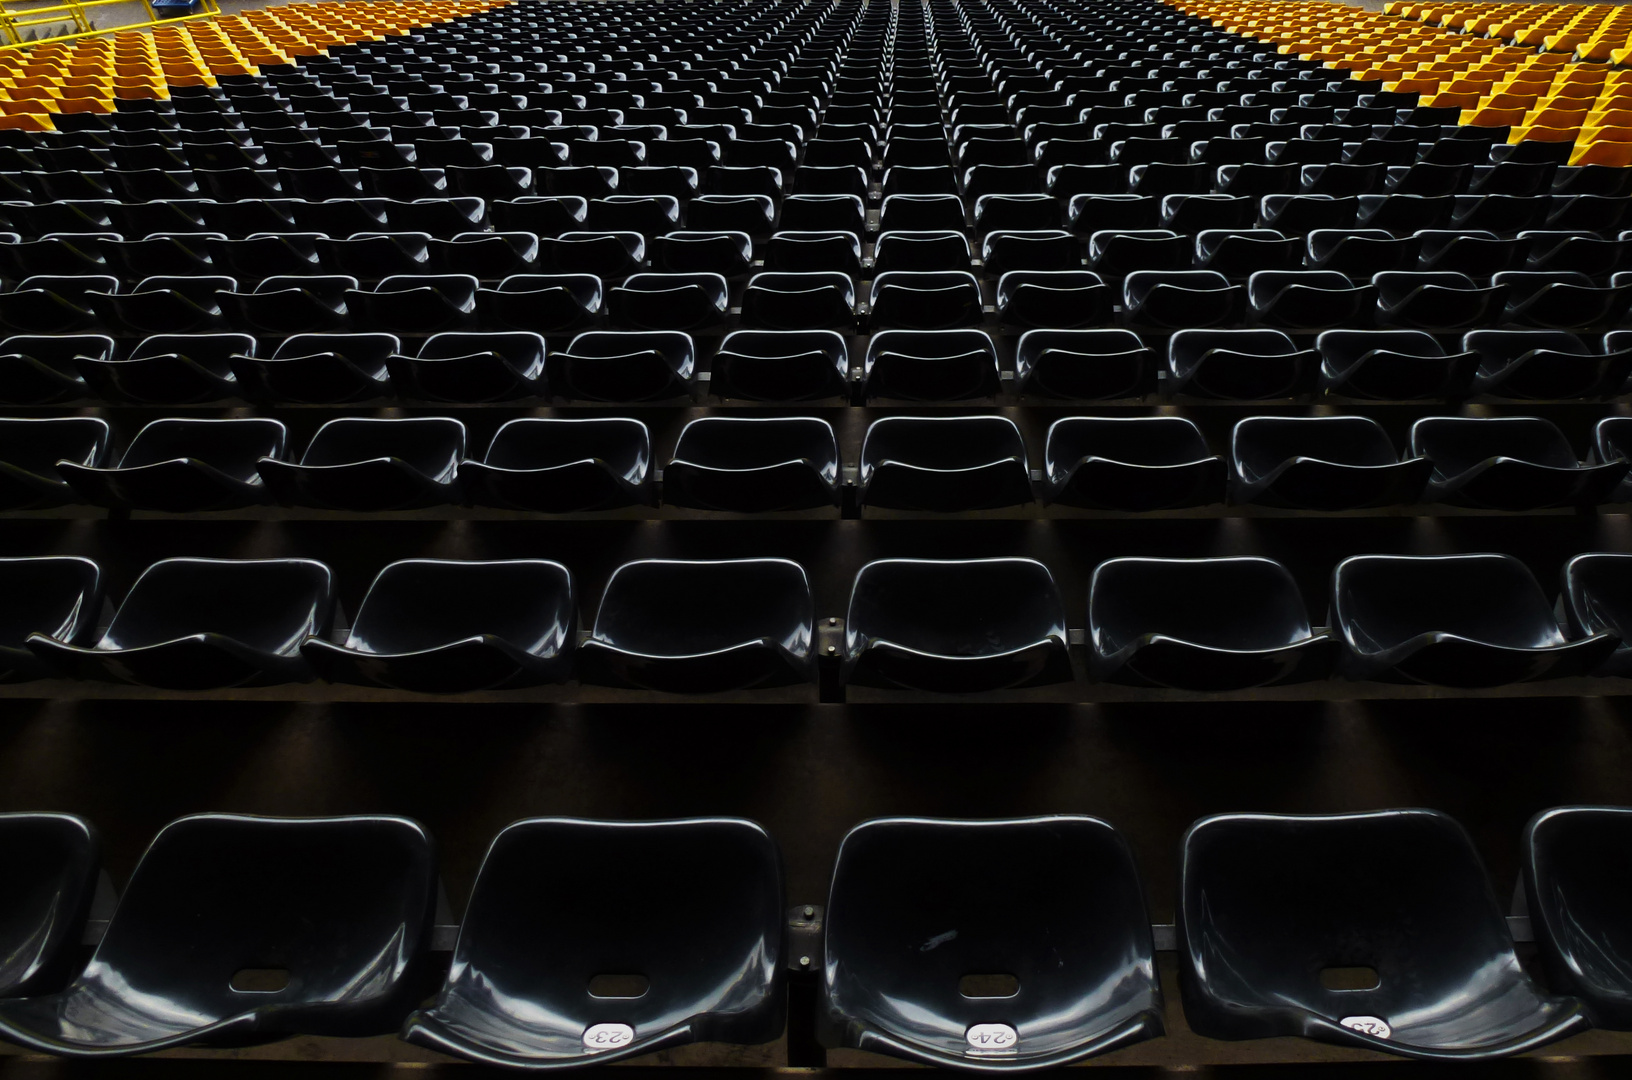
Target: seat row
pixel 1077 198
pixel 1236 252
pixel 909 365
pixel 945 464
pixel 1161 300
pixel 1398 944
pixel 433 626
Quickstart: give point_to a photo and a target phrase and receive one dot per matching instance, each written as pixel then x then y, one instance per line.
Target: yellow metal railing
pixel 15 16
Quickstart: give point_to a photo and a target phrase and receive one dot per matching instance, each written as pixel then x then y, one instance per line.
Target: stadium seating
pixel 909 425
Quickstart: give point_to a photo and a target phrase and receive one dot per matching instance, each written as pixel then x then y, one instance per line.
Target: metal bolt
pixel 810 912
pixel 831 649
pixel 834 621
pixel 804 961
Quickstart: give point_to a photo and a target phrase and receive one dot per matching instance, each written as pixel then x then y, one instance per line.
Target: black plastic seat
pixel 257 257
pixel 1435 300
pixel 541 215
pixel 1036 249
pixel 729 254
pixel 183 465
pixel 697 627
pixel 809 300
pixel 415 303
pixel 171 369
pixel 1307 299
pixel 768 365
pixel 462 366
pixel 1238 253
pixel 913 212
pixel 1016 212
pixel 1476 253
pixel 1508 463
pixel 796 251
pixel 624 366
pixel 542 303
pixel 54 862
pixel 522 992
pixel 1594 600
pixel 946 464
pixel 292 304
pixel 318 369
pixel 930 365
pixel 1202 624
pixel 218 895
pixel 1544 364
pixel 375 256
pixel 1053 298
pixel 958 626
pixel 1574 872
pixel 563 465
pixel 1246 365
pixel 606 255
pixel 366 464
pixel 1612 441
pixel 1400 892
pixel 1321 463
pixel 649 215
pixel 1360 253
pixel 1574 251
pixel 1562 300
pixel 45 304
pixel 190 624
pixel 39 369
pixel 1393 365
pixel 1119 252
pixel 32 449
pixel 929 250
pixel 1453 620
pixel 901 882
pixel 56 595
pixel 935 300
pixel 1169 299
pixel 1139 463
pixel 439 626
pixel 753 464
pixel 819 213
pixel 668 302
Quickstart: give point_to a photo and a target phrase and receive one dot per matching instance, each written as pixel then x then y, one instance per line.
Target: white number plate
pixel 992 1038
pixel 598 1037
pixel 1368 1025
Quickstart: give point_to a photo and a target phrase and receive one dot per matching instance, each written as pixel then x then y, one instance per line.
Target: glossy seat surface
pixel 1137 463
pixel 560 465
pixel 184 464
pixel 944 463
pixel 521 991
pixel 444 626
pixel 195 623
pixel 1508 463
pixel 910 915
pixel 1455 620
pixel 52 862
pixel 1576 873
pixel 753 464
pixel 215 895
pixel 1268 902
pixel 702 626
pixel 1597 598
pixel 1321 463
pixel 31 448
pixel 955 626
pixel 1202 624
pixel 369 464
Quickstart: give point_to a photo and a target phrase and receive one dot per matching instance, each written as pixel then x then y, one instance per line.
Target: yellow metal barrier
pixel 14 17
